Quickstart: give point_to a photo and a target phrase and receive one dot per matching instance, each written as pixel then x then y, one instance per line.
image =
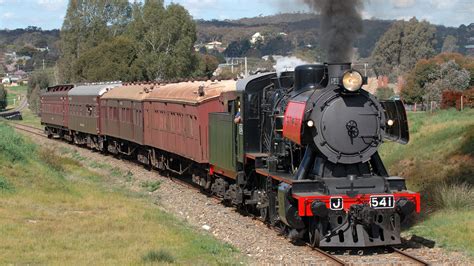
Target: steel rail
pixel 409 256
pixel 29 129
pixel 336 260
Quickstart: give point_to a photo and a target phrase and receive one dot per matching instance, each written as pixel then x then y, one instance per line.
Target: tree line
pixel 116 40
pixel 407 49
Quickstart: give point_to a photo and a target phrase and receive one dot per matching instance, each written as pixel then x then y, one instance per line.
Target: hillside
pixel 439 162
pixel 303 28
pixel 64 208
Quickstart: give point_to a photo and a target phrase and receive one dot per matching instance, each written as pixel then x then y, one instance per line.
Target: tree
pixel 112 60
pixel 238 48
pixel 402 46
pixel 429 78
pixel 38 81
pixel 207 65
pixel 450 44
pixel 164 40
pixel 384 93
pixel 449 77
pixel 277 46
pixel 3 97
pixel 86 25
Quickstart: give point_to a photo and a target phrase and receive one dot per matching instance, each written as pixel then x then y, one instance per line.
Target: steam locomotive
pixel 298 149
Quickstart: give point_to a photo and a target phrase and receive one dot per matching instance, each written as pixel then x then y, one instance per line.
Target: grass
pixel 30 119
pixel 451 230
pixel 58 210
pixel 439 162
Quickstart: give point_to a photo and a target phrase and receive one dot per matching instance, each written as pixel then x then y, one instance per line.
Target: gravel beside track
pixel 261 244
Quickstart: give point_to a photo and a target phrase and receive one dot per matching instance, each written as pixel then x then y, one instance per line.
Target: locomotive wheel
pixel 314 234
pixel 263 214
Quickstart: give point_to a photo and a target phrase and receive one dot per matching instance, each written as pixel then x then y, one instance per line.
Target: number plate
pixel 336 204
pixel 382 202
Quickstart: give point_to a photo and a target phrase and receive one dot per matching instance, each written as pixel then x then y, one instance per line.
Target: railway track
pixel 410 257
pixel 332 259
pixel 29 129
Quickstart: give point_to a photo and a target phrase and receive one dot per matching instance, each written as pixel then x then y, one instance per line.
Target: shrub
pixel 12 146
pixel 384 93
pixel 158 256
pixel 51 159
pixel 450 98
pixel 5 186
pixel 151 186
pixel 454 196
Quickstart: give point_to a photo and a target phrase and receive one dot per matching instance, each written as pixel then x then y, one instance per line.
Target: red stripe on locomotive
pixel 293 121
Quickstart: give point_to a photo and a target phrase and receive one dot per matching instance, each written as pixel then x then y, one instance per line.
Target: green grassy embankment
pixel 439 163
pixel 57 209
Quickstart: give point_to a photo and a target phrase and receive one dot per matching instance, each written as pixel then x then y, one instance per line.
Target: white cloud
pixel 440 4
pixel 52 5
pixel 8 15
pixel 403 3
pixel 195 7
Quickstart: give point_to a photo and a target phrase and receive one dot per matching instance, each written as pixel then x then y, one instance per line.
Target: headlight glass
pixel 352 80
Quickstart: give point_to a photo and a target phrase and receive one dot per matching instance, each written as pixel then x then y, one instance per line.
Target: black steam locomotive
pixel 306 157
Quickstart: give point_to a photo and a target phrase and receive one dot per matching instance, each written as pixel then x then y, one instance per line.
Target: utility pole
pixel 246 70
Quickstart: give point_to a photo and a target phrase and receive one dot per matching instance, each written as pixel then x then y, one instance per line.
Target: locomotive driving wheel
pixel 263 209
pixel 314 233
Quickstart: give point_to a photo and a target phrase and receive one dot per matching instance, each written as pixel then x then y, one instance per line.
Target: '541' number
pixel 382 202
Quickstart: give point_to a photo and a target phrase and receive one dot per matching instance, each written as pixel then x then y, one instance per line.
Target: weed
pixel 51 159
pixel 151 186
pixel 76 156
pixel 97 165
pixel 158 256
pixel 128 176
pixel 454 196
pixel 213 247
pixel 65 150
pixel 5 186
pixel 115 172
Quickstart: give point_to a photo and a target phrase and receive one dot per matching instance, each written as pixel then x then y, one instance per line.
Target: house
pixel 470 49
pixel 6 80
pixel 257 37
pixel 215 45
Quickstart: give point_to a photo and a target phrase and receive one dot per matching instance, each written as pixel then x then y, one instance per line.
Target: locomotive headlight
pixel 352 80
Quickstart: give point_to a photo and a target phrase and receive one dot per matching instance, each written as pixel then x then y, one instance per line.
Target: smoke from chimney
pixel 341 23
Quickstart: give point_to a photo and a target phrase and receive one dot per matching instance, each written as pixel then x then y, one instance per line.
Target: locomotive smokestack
pixel 341 23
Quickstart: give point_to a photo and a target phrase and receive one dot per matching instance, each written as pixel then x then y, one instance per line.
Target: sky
pixel 49 14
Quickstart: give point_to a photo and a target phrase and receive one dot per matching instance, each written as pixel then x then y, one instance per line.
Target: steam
pixel 288 63
pixel 341 23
